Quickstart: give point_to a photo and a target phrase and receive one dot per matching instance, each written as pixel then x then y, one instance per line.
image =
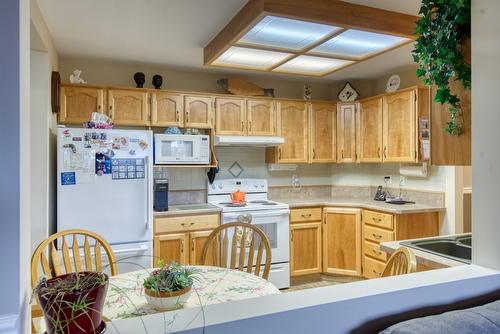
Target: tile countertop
pixel 187 209
pixel 361 203
pixel 424 258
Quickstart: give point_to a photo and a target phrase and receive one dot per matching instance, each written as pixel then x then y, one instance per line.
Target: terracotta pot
pixel 62 317
pixel 166 301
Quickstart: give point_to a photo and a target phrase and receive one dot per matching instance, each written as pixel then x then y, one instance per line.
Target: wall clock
pixel 348 93
pixel 393 83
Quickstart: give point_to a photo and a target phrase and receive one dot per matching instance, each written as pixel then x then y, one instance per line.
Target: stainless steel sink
pixel 457 248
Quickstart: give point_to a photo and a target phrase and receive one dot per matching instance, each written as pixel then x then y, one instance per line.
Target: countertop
pixel 187 209
pixel 361 203
pixel 424 258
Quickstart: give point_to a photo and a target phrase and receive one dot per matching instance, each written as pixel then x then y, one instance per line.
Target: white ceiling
pixel 174 32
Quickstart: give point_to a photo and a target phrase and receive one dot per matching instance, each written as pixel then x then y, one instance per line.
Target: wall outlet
pixel 402 180
pixel 388 179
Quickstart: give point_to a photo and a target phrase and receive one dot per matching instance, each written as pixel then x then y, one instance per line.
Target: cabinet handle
pixel 306 216
pixel 385 151
pixel 377 236
pixel 182 246
pixel 192 244
pixel 185 224
pixel 314 153
pixel 378 152
pixel 111 113
pixel 177 116
pixel 249 126
pixel 279 153
pixel 377 252
pixel 187 116
pixel 291 235
pixel 98 107
pixel 342 153
pixel 376 219
pixel 242 126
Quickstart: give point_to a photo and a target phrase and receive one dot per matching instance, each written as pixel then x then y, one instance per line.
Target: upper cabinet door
pixel 399 127
pixel 166 109
pixel 323 119
pixel 230 118
pixel 78 103
pixel 292 125
pixel 346 132
pixel 128 107
pixel 198 111
pixel 370 131
pixel 261 117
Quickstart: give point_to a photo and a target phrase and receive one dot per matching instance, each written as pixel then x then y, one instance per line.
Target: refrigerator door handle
pixel 148 190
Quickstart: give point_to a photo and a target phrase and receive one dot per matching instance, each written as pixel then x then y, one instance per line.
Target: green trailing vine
pixel 444 25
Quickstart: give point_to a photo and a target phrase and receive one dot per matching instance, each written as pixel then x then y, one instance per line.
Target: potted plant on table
pixel 169 287
pixel 72 303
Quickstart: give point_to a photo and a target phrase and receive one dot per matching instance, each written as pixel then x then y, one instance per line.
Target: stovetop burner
pixel 233 205
pixel 263 202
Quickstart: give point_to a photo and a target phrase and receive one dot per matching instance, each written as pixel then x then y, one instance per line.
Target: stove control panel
pixel 225 186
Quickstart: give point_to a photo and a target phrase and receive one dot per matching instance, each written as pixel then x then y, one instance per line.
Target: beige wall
pixel 407 75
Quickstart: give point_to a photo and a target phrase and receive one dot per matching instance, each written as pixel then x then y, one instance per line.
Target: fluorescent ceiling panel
pixel 250 58
pixel 357 43
pixel 286 33
pixel 310 65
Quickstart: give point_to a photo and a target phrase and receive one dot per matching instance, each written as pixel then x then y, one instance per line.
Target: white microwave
pixel 181 149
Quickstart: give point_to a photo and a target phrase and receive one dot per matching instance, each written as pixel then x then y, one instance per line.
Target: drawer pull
pixel 377 252
pixel 306 216
pixel 376 272
pixel 185 224
pixel 377 236
pixel 377 219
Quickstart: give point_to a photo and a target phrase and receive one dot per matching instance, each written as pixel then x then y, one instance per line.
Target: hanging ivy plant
pixel 444 25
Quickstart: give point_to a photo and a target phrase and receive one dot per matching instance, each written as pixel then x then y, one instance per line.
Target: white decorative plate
pixel 393 83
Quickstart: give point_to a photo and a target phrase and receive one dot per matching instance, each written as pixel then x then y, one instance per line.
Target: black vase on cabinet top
pixel 157 81
pixel 139 79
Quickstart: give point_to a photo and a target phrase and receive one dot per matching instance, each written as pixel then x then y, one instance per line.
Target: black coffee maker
pixel 161 195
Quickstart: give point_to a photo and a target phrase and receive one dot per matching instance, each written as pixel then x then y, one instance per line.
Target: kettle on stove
pixel 238 196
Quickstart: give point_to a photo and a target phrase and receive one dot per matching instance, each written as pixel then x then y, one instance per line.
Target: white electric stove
pixel 271 217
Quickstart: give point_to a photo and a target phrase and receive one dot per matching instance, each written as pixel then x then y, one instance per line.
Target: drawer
pixel 186 223
pixel 306 214
pixel 372 268
pixel 373 249
pixel 377 234
pixel 378 219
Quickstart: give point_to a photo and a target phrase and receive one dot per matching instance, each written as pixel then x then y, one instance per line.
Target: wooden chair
pixel 402 262
pixel 73 262
pixel 244 236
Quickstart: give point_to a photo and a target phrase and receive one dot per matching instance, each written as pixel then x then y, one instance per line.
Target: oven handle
pixel 258 215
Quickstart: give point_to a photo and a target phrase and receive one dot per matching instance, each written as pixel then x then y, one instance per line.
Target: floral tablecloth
pixel 125 297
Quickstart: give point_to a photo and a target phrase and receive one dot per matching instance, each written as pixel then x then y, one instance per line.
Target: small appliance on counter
pixel 160 195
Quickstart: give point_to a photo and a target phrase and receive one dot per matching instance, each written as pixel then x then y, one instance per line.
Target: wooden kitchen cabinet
pixel 342 250
pixel 292 126
pixel 128 107
pixel 230 116
pixel 381 227
pixel 346 132
pixel 370 133
pixel 261 117
pixel 171 247
pixel 78 103
pixel 166 110
pixel 323 132
pixel 198 111
pixel 399 127
pixel 305 241
pixel 181 238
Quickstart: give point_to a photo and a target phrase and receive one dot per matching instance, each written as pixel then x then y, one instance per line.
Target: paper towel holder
pixel 413 170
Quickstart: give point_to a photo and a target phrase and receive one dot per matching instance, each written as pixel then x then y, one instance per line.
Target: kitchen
pixel 322 173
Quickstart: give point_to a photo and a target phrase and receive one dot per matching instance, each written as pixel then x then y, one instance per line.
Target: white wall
pixel 39 130
pixel 485 134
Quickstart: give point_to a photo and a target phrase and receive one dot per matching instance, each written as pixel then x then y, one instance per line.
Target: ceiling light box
pixel 312 38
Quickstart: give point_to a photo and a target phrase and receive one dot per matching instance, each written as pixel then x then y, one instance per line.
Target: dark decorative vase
pixel 62 316
pixel 139 79
pixel 157 81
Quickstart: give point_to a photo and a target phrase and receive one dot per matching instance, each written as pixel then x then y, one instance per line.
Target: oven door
pixel 275 224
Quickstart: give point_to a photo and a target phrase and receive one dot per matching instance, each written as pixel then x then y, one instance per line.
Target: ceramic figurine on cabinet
pixel 307 92
pixel 348 93
pixel 139 79
pixel 75 77
pixel 157 81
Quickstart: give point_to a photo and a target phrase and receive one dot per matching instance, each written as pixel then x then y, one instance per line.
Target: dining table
pixel 125 296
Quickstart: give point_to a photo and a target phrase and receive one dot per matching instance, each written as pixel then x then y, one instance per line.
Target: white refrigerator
pixel 104 184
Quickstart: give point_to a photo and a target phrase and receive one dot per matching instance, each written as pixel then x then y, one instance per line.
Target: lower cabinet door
pixel 171 247
pixel 305 248
pixel 342 241
pixel 197 241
